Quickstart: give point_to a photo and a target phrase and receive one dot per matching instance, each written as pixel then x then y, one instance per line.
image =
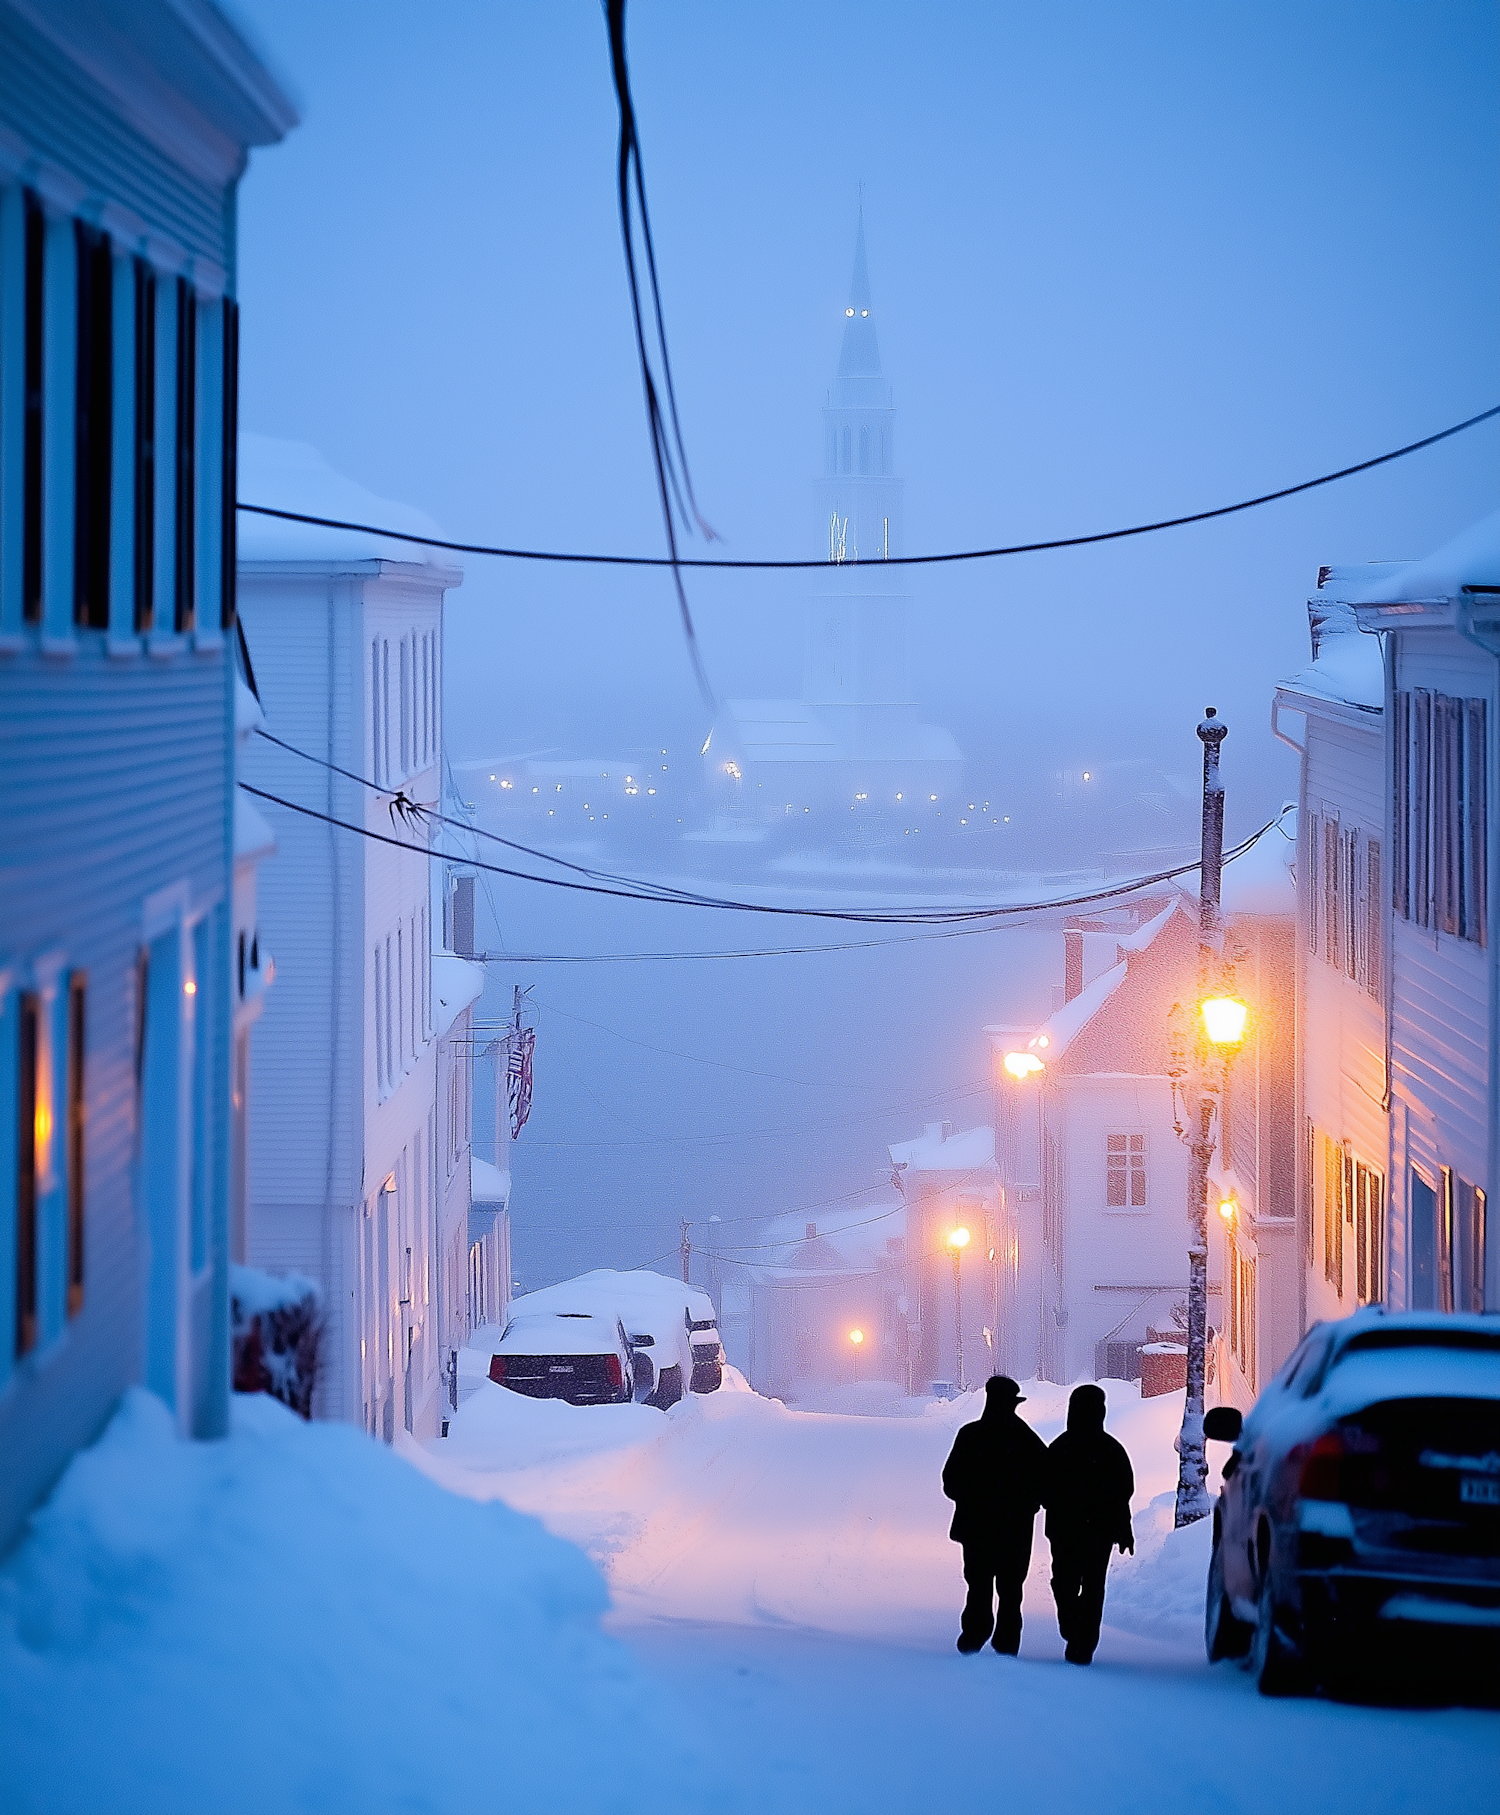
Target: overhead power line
pixel 967 554
pixel 975 919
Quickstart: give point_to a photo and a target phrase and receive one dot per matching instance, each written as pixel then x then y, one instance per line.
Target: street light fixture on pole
pixel 1199 1062
pixel 958 1240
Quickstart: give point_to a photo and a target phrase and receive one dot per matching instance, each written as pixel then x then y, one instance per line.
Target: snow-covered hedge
pixel 277 1336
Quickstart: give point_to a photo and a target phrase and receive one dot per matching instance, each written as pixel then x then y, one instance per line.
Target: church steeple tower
pixel 856 655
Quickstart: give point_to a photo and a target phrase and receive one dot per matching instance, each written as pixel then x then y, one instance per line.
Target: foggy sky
pixel 1126 262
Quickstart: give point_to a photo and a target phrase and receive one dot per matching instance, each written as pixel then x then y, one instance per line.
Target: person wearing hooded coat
pixel 994 1479
pixel 1087 1492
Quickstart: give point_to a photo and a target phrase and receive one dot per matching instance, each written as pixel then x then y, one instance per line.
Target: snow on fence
pixel 276 1336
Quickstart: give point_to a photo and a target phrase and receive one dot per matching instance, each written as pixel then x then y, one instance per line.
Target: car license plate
pixel 557 1370
pixel 1479 1490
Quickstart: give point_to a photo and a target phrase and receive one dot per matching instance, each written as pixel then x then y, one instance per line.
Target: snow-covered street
pixel 786 1580
pixel 231 1626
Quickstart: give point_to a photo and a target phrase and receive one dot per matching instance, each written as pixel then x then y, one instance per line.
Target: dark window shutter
pixel 230 454
pixel 145 446
pixel 77 989
pixel 1421 806
pixel 93 400
pixel 1374 921
pixel 1401 805
pixel 26 1295
pixel 1476 830
pixel 32 308
pixel 185 477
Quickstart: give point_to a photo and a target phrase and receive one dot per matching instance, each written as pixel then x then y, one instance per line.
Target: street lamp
pixel 958 1240
pixel 857 1337
pixel 1022 1065
pixel 1198 1069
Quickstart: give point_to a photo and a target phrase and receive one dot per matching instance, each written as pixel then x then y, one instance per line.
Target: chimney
pixel 463 916
pixel 1072 959
pixel 812 1232
pixel 935 1131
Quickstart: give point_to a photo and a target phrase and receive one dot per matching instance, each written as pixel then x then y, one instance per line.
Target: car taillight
pixel 612 1371
pixel 497 1369
pixel 1337 1463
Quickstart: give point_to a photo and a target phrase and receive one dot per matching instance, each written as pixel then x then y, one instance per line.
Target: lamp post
pixel 958 1240
pixel 1217 1029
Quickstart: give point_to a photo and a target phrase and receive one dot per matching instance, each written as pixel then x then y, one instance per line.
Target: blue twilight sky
pixel 1126 261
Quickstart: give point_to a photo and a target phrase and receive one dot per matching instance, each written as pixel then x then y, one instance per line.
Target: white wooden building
pixel 353 1158
pixel 949 1182
pixel 1333 713
pixel 1397 967
pixel 1440 622
pixel 123 135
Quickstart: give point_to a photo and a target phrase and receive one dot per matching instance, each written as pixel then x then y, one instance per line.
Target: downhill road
pixel 786 1580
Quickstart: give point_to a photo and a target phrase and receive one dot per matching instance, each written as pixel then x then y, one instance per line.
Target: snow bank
pixel 256 1293
pixel 293 1619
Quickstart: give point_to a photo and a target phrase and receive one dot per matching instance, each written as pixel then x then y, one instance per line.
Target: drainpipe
pixel 1487 638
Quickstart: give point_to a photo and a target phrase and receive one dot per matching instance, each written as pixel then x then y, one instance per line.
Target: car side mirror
pixel 1223 1423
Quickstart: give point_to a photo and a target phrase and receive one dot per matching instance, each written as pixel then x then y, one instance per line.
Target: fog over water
pixel 1124 264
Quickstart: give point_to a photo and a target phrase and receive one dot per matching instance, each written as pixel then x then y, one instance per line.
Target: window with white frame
pixel 1125 1170
pixel 1344 898
pixel 1440 812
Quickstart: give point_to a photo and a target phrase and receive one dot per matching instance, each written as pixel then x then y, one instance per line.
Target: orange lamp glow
pixel 958 1239
pixel 856 1337
pixel 1022 1065
pixel 1224 1020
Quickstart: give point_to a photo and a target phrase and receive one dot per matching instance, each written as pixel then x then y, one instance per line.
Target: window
pixel 375 769
pixel 404 692
pixel 864 450
pixel 379 1026
pixel 144 460
pixel 1241 1281
pixel 93 400
pixel 230 420
pixel 185 477
pixel 1440 809
pixel 847 446
pixel 1369 1235
pixel 34 295
pixel 1468 1246
pixel 1125 1171
pixel 28 1099
pixel 385 709
pixel 77 991
pixel 1344 900
pixel 1333 1214
pixel 1424 1207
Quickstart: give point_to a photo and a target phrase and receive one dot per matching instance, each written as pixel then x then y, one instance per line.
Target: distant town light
pixel 898 797
pixel 848 311
pixel 507 784
pixel 1021 1065
pixel 1224 1019
pixel 650 790
pixel 932 796
pixel 864 311
pixel 1087 776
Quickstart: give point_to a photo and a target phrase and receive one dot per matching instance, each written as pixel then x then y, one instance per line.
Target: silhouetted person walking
pixel 994 1479
pixel 1087 1493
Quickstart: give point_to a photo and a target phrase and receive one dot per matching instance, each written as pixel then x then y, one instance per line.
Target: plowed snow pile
pixel 293 1619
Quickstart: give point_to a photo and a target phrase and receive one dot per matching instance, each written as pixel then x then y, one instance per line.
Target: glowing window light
pixel 1022 1065
pixel 1224 1019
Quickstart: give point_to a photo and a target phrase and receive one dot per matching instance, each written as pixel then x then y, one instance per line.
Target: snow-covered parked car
pixel 670 1334
pixel 581 1356
pixel 1361 1499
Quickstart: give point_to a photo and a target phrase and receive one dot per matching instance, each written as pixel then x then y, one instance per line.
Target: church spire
pixel 860 354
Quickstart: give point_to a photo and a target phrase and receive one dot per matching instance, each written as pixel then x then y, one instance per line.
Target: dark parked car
pixel 1361 1500
pixel 574 1355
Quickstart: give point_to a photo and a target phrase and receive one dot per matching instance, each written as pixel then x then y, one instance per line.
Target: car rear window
pixel 1471 1340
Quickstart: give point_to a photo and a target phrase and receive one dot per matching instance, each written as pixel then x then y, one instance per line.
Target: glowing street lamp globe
pixel 958 1239
pixel 1022 1065
pixel 856 1337
pixel 1224 1020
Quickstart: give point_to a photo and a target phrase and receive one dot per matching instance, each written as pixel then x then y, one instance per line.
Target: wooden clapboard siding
pixel 117 785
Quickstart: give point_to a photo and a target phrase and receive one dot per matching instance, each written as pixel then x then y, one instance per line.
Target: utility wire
pixel 673 480
pixel 968 554
pixel 972 919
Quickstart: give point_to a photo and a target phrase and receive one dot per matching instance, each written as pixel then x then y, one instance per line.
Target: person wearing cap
pixel 1087 1493
pixel 994 1478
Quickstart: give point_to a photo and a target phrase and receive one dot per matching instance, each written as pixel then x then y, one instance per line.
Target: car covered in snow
pixel 1361 1499
pixel 668 1340
pixel 578 1355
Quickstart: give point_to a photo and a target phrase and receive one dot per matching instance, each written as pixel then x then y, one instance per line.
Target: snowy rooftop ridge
pixel 294 475
pixel 938 1150
pixel 1471 558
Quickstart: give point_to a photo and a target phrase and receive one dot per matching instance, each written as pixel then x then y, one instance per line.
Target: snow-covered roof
pixel 847 1238
pixel 1262 881
pixel 488 1184
pixel 935 1150
pixel 253 836
pixel 456 982
pixel 1470 559
pixel 1348 670
pixel 292 475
